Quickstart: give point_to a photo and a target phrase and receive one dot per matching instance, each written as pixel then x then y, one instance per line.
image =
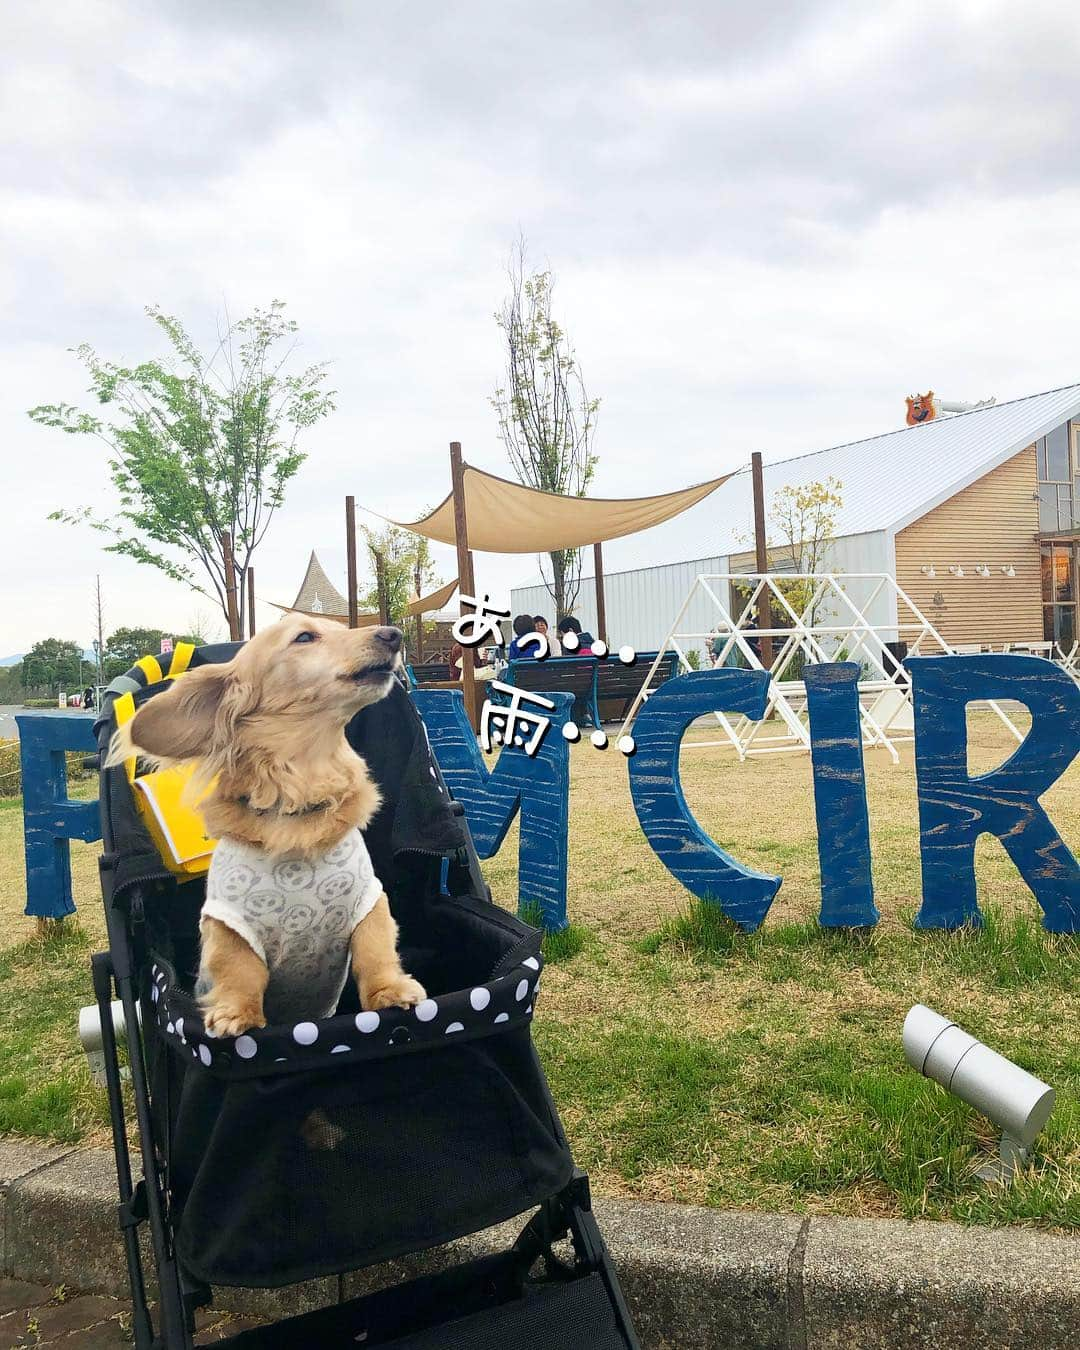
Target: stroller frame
pixel 478 1302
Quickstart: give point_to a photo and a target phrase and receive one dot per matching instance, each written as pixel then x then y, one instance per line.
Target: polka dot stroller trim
pixel 501 1004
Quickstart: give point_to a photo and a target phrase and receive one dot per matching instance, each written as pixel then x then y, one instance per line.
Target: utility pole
pixel 99 646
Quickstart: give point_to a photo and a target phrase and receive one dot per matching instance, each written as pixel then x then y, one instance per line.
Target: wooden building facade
pixel 976 515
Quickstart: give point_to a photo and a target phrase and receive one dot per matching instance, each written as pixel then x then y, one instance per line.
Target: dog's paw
pixel 402 991
pixel 228 1020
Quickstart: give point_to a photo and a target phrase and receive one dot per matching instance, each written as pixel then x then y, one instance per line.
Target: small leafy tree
pixel 424 576
pixel 546 418
pixel 391 554
pixel 801 528
pixel 201 447
pixel 804 518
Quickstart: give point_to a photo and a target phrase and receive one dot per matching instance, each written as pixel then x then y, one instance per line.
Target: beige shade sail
pixel 436 600
pixel 505 517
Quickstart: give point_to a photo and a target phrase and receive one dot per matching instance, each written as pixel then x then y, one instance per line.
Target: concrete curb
pixel 696 1279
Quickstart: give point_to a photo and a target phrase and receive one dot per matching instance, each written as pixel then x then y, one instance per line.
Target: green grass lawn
pixel 691 1062
pixel 45 1087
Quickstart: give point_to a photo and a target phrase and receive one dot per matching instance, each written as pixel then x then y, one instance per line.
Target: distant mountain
pixel 87 655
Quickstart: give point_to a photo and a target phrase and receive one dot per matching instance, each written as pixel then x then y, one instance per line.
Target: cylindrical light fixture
pixel 1016 1101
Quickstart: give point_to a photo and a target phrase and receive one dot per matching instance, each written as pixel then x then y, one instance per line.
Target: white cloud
pixel 768 226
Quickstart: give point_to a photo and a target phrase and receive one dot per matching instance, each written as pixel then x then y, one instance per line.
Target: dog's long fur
pixel 267 730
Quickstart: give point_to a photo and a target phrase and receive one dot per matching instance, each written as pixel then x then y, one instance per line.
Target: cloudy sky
pixel 768 222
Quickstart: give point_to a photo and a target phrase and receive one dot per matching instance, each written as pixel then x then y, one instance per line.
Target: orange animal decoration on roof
pixel 920 408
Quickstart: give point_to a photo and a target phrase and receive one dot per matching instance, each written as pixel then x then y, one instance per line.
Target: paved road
pixel 34 1314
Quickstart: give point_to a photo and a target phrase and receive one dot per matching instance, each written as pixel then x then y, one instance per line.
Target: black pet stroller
pixel 299 1152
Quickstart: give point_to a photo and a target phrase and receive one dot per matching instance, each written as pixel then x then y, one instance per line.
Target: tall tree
pixel 12 688
pixel 202 446
pixel 546 418
pixel 50 662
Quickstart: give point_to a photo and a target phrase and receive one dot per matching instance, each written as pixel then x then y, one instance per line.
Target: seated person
pixel 528 651
pixel 540 625
pixel 483 662
pixel 568 624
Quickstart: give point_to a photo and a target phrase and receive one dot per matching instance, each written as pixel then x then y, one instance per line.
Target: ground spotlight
pixel 1012 1098
pixel 90 1035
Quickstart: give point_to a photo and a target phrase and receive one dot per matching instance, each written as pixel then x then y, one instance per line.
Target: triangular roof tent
pixel 318 594
pixel 505 517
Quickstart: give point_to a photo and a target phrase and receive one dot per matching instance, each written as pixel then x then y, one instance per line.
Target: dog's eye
pixel 304 637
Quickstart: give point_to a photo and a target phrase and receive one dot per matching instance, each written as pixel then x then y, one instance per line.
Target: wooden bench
pixel 592 681
pixel 428 672
pixel 617 685
pixel 560 675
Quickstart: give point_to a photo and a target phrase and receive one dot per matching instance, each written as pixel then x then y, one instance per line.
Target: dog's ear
pixel 181 723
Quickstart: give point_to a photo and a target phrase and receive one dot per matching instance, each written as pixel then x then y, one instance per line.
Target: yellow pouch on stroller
pixel 163 797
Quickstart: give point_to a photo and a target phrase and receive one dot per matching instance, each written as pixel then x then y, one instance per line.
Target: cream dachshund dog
pixel 291 898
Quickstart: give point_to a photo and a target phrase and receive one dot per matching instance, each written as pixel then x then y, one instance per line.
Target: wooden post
pixel 251 600
pixel 465 573
pixel 230 587
pixel 601 610
pixel 350 555
pixel 420 637
pixel 764 614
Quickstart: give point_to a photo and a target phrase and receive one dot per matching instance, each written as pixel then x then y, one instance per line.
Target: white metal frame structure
pixel 1069 660
pixel 829 622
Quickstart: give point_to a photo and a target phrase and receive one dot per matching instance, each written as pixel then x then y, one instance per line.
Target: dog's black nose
pixel 389 637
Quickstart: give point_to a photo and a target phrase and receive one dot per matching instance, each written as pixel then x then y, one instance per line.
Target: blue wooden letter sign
pixel 50 818
pixel 539 784
pixel 843 821
pixel 678 840
pixel 955 808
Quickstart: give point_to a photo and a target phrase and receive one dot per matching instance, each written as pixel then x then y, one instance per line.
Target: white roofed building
pixel 976 515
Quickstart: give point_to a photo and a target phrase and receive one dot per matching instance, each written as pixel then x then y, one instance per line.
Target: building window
pixel 1058 457
pixel 1059 593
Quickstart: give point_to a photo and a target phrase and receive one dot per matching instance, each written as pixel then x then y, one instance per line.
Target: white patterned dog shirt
pixel 298 915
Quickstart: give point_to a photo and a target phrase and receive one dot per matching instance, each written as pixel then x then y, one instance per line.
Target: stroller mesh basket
pixel 318 1148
